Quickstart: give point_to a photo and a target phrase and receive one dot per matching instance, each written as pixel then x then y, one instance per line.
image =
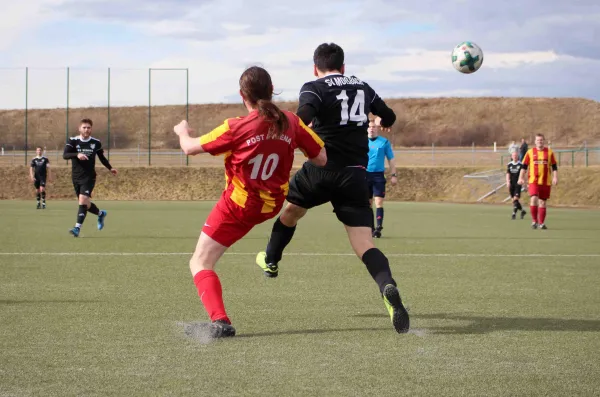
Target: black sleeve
pixel 103 160
pixel 69 152
pixel 524 167
pixel 309 103
pixel 379 108
pixel 32 164
pixel 554 167
pixel 508 169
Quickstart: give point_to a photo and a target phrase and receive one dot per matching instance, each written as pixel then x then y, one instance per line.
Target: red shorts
pixel 227 222
pixel 542 191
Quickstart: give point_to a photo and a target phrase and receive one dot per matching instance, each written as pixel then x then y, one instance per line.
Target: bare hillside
pixel 443 121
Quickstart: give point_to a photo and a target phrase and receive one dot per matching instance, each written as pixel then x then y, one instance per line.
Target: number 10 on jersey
pixel 357 111
pixel 268 168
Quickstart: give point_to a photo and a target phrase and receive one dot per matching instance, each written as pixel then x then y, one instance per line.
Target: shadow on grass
pixel 483 325
pixel 540 236
pixel 311 331
pixel 41 301
pixel 575 229
pixel 158 237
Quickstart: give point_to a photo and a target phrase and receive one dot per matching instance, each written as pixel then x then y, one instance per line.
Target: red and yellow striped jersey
pixel 540 164
pixel 257 167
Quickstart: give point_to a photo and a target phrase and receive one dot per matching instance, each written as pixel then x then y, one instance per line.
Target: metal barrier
pixel 580 157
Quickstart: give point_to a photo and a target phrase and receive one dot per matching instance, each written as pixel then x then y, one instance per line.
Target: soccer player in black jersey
pixel 513 170
pixel 82 151
pixel 39 173
pixel 337 107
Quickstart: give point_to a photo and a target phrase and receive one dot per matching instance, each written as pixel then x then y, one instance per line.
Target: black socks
pixel 281 235
pixel 93 209
pixel 379 268
pixel 81 213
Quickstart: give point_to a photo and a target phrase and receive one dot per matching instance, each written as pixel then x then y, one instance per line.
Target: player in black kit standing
pixel 39 172
pixel 338 106
pixel 82 151
pixel 514 189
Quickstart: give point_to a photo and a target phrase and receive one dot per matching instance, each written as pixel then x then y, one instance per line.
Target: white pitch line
pixel 303 254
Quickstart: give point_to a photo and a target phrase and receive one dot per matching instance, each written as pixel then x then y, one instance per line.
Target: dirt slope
pixel 443 121
pixel 578 186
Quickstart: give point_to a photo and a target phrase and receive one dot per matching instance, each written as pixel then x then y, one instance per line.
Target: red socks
pixel 538 214
pixel 534 213
pixel 542 215
pixel 211 294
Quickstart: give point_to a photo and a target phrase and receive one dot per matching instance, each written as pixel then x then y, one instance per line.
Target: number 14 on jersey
pixel 357 111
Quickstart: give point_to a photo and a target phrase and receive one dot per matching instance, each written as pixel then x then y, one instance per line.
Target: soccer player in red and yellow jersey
pixel 543 173
pixel 259 152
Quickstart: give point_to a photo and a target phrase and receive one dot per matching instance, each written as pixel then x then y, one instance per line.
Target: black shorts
pixel 39 182
pixel 515 190
pixel 346 189
pixel 376 182
pixel 84 187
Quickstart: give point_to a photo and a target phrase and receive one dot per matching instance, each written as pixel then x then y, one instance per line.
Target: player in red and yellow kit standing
pixel 259 152
pixel 543 173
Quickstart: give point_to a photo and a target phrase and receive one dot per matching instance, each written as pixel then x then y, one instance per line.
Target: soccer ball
pixel 467 57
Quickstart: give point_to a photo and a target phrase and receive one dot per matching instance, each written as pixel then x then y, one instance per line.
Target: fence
pixel 50 99
pixel 134 111
pixel 579 157
pixel 405 157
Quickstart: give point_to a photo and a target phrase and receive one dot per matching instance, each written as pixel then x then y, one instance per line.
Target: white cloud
pixel 513 60
pixel 449 93
pixel 404 49
pixel 18 17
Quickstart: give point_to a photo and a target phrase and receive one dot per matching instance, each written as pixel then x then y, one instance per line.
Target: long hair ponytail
pixel 257 88
pixel 273 115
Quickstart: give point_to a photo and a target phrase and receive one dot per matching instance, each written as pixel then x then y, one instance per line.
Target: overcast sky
pixel 402 48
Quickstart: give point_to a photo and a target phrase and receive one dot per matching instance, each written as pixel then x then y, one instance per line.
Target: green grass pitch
pixel 497 309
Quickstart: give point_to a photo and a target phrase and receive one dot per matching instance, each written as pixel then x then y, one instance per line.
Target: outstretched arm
pixel 218 141
pixel 190 146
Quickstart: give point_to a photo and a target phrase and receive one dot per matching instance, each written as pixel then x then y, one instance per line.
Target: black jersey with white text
pixel 40 167
pixel 341 107
pixel 91 147
pixel 514 169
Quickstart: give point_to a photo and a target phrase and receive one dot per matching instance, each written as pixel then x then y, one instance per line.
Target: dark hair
pixel 39 147
pixel 329 57
pixel 86 121
pixel 257 88
pixel 540 135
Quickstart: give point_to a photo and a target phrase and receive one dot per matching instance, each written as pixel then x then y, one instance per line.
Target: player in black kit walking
pixel 338 106
pixel 82 151
pixel 512 177
pixel 39 173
